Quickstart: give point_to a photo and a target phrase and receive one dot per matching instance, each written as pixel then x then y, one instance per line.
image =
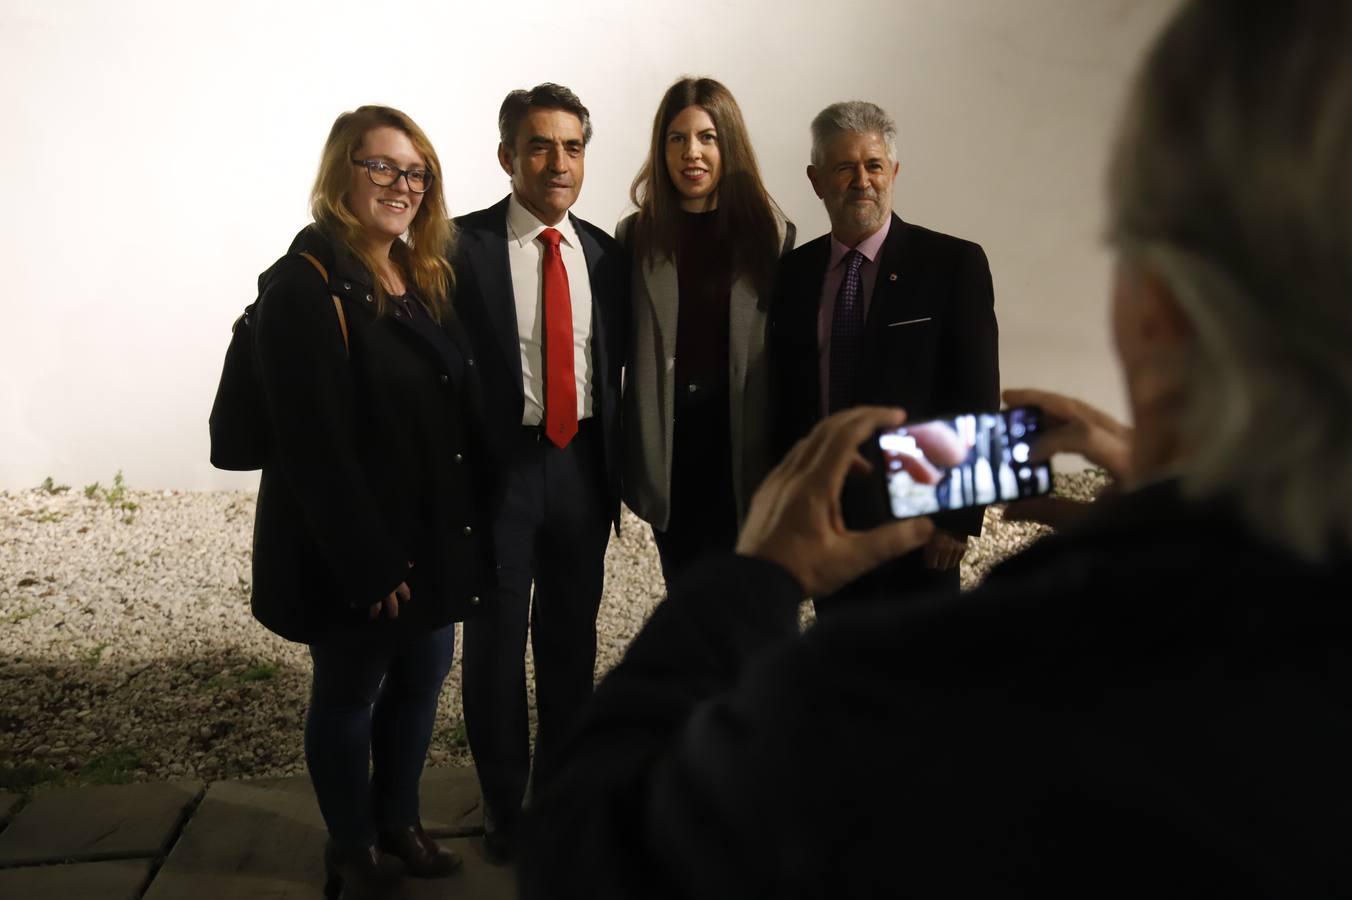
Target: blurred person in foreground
pixel 1153 702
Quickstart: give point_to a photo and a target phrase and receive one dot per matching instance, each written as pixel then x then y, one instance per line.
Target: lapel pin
pixel 892 277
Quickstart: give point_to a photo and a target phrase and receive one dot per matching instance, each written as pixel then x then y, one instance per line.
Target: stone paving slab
pixel 265 838
pixel 447 798
pixel 8 803
pixel 257 838
pixel 90 824
pixel 477 880
pixel 118 880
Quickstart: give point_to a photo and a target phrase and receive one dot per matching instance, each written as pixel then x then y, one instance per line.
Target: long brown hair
pixel 431 236
pixel 746 215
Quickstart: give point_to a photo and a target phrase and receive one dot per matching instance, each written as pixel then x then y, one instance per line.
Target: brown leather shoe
pixel 364 873
pixel 422 856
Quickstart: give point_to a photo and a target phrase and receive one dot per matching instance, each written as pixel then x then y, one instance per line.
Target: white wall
pixel 157 155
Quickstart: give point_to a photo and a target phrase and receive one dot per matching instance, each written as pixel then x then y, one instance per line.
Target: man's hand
pixel 795 518
pixel 1073 427
pixel 945 550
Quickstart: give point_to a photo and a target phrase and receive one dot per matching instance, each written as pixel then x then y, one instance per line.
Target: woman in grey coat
pixel 706 242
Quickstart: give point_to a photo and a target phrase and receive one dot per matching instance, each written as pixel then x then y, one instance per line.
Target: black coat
pixel 484 301
pixel 374 458
pixel 1158 705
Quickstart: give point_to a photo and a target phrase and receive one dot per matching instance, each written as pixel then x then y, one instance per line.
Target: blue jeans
pixel 373 702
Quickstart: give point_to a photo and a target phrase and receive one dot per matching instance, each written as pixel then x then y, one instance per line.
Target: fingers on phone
pixel 939 442
pixel 919 469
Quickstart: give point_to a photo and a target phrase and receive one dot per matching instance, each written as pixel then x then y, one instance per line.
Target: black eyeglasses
pixel 382 174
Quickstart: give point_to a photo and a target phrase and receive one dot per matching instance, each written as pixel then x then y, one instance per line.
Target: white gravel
pixel 127 651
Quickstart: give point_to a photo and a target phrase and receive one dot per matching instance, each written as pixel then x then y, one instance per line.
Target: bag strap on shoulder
pixel 337 304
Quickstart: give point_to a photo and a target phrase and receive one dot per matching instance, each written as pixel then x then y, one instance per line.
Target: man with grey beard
pixel 881 312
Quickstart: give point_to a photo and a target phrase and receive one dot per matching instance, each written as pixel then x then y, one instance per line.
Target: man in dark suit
pixel 544 297
pixel 882 312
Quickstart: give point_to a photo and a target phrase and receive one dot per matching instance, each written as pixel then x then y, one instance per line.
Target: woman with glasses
pixel 706 242
pixel 367 542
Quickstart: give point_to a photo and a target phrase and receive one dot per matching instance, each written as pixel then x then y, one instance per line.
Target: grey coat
pixel 649 388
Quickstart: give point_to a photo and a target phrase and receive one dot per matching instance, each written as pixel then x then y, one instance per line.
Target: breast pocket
pixel 905 359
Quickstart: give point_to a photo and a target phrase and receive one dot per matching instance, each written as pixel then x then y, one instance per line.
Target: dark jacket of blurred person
pixel 1155 705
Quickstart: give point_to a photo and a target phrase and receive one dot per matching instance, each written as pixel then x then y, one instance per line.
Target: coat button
pixel 369 298
pixel 470 361
pixel 693 388
pixel 459 458
pixel 444 379
pixel 468 531
pixel 347 286
pixel 474 601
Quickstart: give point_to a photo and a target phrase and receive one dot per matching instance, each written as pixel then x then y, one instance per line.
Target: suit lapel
pixel 809 307
pixel 894 300
pixel 742 318
pixel 889 297
pixel 592 252
pixel 660 280
pixel 493 271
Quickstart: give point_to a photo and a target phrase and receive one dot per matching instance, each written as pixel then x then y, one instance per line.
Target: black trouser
pixel 551 529
pixel 703 508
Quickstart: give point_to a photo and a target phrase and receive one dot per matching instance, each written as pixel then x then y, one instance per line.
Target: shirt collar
pixel 870 246
pixel 523 227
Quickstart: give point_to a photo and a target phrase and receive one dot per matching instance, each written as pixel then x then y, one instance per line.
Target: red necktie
pixel 560 379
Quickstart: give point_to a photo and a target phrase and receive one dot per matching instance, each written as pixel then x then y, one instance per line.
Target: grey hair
pixel 852 116
pixel 1232 181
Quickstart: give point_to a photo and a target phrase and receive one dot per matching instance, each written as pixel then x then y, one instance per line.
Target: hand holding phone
pixel 796 518
pixel 1072 426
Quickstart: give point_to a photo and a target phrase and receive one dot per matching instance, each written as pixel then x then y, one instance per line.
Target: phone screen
pixel 968 460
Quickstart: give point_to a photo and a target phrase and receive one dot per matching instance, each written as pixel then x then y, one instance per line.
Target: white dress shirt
pixel 526 255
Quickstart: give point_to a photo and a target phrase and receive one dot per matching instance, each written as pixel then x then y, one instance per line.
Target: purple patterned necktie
pixel 847 334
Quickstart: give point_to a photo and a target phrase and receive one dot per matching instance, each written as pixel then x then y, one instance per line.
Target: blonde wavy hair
pixel 423 257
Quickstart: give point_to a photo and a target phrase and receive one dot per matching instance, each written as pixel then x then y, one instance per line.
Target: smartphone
pixel 975 459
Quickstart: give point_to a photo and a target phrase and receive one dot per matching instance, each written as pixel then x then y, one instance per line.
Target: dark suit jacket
pixel 1156 705
pixel 375 461
pixel 485 302
pixel 930 337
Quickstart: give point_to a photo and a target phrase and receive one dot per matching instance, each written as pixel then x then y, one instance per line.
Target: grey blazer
pixel 649 388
